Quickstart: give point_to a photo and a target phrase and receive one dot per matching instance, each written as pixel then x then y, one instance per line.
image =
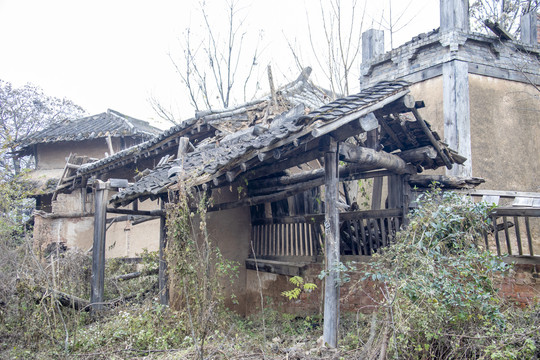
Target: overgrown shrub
pixel 437 282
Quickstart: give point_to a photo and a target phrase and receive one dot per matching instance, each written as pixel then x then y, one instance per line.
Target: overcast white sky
pixel 114 54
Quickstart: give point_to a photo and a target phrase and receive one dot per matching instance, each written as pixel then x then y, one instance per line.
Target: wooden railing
pixel 362 233
pixel 515 221
pixel 513 230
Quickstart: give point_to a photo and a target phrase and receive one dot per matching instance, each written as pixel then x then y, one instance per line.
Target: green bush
pixel 437 282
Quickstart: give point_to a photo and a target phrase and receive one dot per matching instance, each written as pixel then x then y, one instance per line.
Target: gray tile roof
pixel 205 124
pixel 208 162
pixel 101 125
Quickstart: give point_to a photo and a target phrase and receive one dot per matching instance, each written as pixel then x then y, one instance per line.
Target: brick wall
pixel 521 285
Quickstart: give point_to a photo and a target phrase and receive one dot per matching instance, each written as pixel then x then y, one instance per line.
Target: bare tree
pixel 211 62
pixel 394 24
pixel 339 55
pixel 26 110
pixel 504 12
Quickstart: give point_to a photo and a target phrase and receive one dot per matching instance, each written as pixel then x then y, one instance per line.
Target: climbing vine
pixel 198 273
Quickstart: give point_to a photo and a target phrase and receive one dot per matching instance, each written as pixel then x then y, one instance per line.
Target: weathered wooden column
pixel 456 109
pixel 372 46
pixel 454 15
pixel 98 250
pixel 331 236
pixel 163 288
pixel 529 28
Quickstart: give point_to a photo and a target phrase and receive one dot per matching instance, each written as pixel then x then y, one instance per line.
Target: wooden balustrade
pixel 362 233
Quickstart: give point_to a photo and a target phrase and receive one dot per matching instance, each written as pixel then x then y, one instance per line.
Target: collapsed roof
pixel 293 138
pixel 210 125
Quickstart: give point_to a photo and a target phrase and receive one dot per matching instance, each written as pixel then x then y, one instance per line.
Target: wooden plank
pixel 304 240
pixel 485 234
pixel 268 240
pixel 290 242
pixel 64 173
pixel 501 193
pixel 518 235
pixel 376 231
pixel 376 197
pixel 507 236
pixel 109 143
pixel 384 237
pixel 496 233
pixel 529 237
pixel 517 211
pixel 363 238
pixel 523 201
pixel 299 239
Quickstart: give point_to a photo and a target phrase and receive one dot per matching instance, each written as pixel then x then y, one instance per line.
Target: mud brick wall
pixel 522 285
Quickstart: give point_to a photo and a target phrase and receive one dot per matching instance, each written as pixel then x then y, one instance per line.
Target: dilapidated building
pixel 65 215
pixel 280 168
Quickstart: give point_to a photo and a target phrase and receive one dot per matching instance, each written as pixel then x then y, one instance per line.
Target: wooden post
pixel 98 252
pixel 454 15
pixel 272 88
pixel 163 288
pixel 529 28
pixel 331 228
pixel 372 44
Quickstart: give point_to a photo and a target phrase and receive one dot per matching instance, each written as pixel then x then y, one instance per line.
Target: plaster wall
pixel 54 155
pixel 74 232
pixel 69 225
pixel 230 230
pixel 505 133
pixel 505 130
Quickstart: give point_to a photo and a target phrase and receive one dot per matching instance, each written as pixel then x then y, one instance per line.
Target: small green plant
pixel 300 286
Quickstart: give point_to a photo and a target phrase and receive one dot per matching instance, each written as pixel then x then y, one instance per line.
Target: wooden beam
pixel 392 134
pixel 255 200
pixel 418 155
pixel 300 159
pixel 432 139
pixel 98 249
pixel 452 182
pixel 377 159
pixel 365 123
pixel 331 238
pixel 314 177
pixel 402 105
pixel 376 196
pixel 158 212
pixel 109 144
